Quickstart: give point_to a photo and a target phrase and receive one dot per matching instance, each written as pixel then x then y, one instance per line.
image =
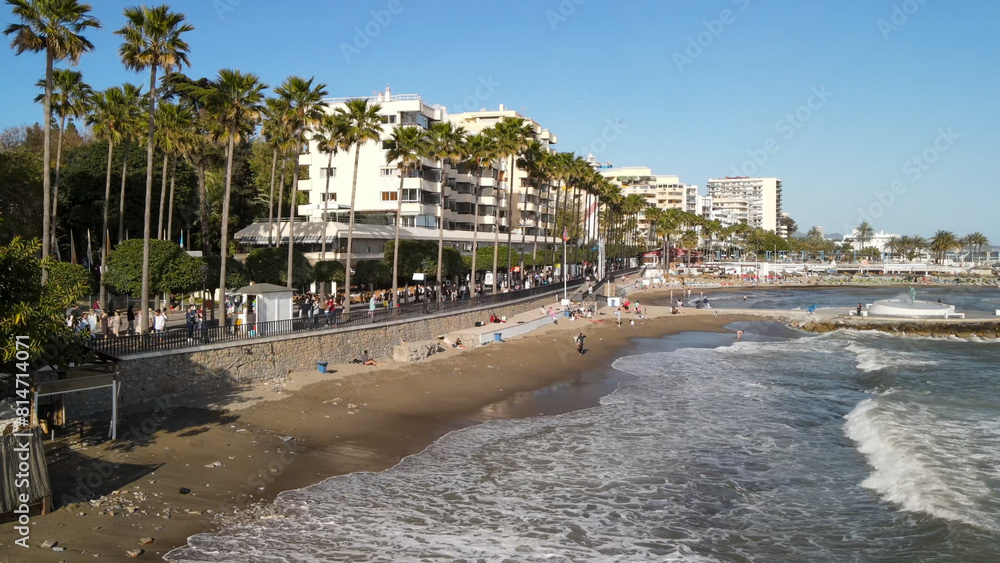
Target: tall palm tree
pixel 177 129
pixel 943 242
pixel 303 109
pixel 512 138
pixel 363 125
pixel 152 40
pixel 532 162
pixel 52 26
pixel 70 99
pixel 330 137
pixel 444 143
pixel 480 151
pixel 234 104
pixel 275 136
pixel 864 234
pixel 406 147
pixel 107 120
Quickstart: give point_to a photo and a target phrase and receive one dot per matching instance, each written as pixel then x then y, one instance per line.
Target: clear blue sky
pixel 698 111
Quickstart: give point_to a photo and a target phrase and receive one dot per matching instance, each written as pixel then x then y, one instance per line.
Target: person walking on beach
pixel 739 335
pixel 579 343
pixel 618 317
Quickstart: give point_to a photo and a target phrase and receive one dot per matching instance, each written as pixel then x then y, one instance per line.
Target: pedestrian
pixel 618 316
pixel 116 324
pixel 105 325
pixel 138 322
pixel 859 309
pixel 130 317
pixel 579 343
pixel 192 319
pixel 159 323
pixel 739 335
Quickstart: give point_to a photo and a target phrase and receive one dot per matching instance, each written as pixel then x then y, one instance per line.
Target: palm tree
pixel 152 40
pixel 532 162
pixel 52 26
pixel 131 129
pixel 363 125
pixel 330 138
pixel 480 151
pixel 512 138
pixel 274 132
pixel 176 128
pixel 234 103
pixel 864 234
pixel 942 242
pixel 406 146
pixel 304 105
pixel 444 143
pixel 70 99
pixel 107 121
pixel 978 240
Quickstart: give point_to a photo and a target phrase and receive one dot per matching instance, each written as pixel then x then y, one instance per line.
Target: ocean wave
pixel 912 465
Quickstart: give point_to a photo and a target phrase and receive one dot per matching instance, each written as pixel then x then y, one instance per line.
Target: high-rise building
pixel 663 191
pixel 755 200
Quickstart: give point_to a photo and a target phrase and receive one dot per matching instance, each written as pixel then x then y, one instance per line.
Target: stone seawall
pixel 984 329
pixel 156 377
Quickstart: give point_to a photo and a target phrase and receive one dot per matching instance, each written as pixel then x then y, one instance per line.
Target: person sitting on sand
pixel 367 360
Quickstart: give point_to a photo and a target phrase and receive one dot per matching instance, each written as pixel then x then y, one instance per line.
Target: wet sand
pixel 235 451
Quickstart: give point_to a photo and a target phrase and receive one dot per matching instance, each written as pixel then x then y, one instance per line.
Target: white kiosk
pixel 270 302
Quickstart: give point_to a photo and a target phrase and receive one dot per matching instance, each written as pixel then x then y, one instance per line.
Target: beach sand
pixel 236 451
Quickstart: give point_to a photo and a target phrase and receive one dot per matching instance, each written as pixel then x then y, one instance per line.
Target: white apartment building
pixel 663 191
pixel 756 200
pixel 427 203
pixel 878 240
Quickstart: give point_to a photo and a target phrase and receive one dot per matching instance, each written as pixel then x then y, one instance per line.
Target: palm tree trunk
pixel 107 196
pixel 475 233
pixel 270 199
pixel 224 243
pixel 291 222
pixel 149 198
pixel 555 224
pixel 576 224
pixel 47 163
pixel 510 215
pixel 55 190
pixel 281 196
pixel 326 202
pixel 496 237
pixel 163 195
pixel 170 205
pixel 440 264
pixel 523 210
pixel 395 247
pixel 121 199
pixel 534 249
pixel 206 247
pixel 350 234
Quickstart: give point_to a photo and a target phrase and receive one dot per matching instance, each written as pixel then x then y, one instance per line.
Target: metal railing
pixel 360 315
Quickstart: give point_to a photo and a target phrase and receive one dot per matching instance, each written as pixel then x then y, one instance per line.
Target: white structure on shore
pixel 755 200
pixel 879 240
pixel 427 203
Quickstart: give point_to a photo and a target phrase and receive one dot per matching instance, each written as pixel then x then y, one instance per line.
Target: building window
pixel 388 171
pixel 327 172
pixel 390 119
pixel 390 196
pixel 410 195
pixel 332 196
pixel 408 221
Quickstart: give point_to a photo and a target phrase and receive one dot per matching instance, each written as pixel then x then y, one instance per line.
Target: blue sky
pixel 837 99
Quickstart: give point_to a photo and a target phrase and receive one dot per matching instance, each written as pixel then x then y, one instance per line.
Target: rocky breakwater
pixel 984 329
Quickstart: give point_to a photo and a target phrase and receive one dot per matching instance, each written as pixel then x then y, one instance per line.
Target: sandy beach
pixel 193 465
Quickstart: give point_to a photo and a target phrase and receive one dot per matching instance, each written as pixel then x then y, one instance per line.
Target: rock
pixel 58 548
pixel 134 552
pixel 185 490
pixel 48 544
pixel 145 541
pixel 416 351
pixel 213 464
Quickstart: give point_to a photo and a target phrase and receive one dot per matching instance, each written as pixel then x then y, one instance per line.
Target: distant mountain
pixel 833 236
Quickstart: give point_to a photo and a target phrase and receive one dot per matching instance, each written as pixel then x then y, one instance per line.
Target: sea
pixel 844 446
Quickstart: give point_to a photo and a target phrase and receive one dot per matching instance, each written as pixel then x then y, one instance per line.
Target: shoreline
pixel 235 452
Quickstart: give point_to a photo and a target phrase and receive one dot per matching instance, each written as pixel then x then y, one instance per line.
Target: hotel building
pixel 427 202
pixel 663 191
pixel 755 200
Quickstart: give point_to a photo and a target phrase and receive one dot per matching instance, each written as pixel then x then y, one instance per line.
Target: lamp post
pixel 565 272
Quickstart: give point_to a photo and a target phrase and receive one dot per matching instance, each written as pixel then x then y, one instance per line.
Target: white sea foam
pixel 915 463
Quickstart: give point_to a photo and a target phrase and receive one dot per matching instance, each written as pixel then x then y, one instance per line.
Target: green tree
pixel 445 142
pixel 330 138
pixel 32 314
pixel 513 136
pixel 71 276
pixel 327 271
pixel 372 273
pixel 171 269
pixel 363 125
pixel 862 234
pixel 266 265
pixel 479 151
pixel 406 146
pixel 942 243
pixel 55 27
pixel 236 273
pixel 152 40
pixel 21 196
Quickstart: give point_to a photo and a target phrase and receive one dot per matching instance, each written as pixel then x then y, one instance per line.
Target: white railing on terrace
pixel 384 98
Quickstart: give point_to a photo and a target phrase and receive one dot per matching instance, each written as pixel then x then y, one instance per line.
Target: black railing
pixel 360 315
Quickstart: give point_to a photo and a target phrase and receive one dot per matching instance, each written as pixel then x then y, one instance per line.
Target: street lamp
pixel 565 271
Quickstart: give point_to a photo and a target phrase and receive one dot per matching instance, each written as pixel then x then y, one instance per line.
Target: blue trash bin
pixel 568 314
pixel 321 366
pixel 496 337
